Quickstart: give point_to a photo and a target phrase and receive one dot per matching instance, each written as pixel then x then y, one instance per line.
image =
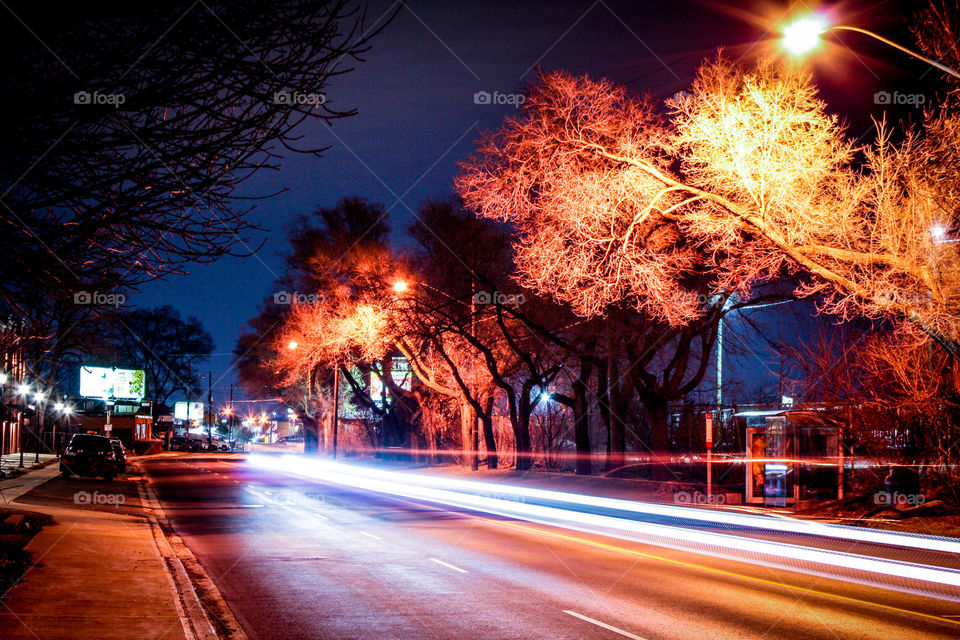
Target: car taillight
pixel 110 455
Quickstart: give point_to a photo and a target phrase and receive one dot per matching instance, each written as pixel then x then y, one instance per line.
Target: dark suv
pixel 120 454
pixel 89 455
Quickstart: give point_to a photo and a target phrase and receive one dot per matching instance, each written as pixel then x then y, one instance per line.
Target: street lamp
pixel 803 35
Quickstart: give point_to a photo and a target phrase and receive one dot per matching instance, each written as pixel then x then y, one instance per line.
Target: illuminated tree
pixel 749 177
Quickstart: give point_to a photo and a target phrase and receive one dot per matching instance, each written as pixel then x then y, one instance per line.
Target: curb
pixel 203 612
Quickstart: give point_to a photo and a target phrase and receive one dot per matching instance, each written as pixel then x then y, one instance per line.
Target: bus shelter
pixel 791 456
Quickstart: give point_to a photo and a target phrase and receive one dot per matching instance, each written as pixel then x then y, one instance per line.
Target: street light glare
pixel 803 35
pixel 23 389
pixel 938 232
pixel 400 286
pixel 292 345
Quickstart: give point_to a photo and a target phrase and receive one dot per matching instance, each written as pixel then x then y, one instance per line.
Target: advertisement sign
pixel 107 382
pixel 188 411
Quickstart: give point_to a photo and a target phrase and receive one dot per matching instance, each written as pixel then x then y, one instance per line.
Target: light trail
pixel 513 502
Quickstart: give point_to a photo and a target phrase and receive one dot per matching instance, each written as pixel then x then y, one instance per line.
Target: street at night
pixel 519 319
pixel 299 558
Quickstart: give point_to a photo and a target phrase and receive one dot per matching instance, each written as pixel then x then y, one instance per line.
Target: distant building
pixel 13 370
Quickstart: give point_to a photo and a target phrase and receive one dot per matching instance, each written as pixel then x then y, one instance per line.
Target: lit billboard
pixel 188 411
pixel 107 382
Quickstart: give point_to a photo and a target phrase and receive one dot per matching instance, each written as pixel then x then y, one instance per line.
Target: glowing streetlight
pixel 400 286
pixel 3 378
pixel 23 389
pixel 803 35
pixel 293 344
pixel 938 232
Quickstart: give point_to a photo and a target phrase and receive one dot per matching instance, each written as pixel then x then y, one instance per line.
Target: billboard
pixel 188 411
pixel 107 382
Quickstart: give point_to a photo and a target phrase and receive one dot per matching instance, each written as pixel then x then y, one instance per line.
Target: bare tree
pixel 127 141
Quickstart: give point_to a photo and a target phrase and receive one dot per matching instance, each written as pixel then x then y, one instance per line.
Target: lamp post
pixel 803 35
pixel 23 389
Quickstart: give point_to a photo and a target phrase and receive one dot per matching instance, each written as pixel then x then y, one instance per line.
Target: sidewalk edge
pixel 203 611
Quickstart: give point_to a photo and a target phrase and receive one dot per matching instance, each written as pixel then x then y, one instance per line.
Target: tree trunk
pixel 521 429
pixel 490 442
pixel 581 419
pixel 617 414
pixel 657 413
pixel 603 403
pixel 311 434
pixel 466 432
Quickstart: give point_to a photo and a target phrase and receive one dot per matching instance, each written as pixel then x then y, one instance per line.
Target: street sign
pixel 108 428
pixel 709 430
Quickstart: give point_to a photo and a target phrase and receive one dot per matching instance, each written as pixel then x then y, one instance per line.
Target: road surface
pixel 301 558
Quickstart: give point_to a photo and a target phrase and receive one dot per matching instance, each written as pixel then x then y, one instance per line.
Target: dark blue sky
pixel 417 116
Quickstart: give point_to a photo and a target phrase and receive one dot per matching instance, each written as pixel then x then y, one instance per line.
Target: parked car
pixel 89 454
pixel 121 455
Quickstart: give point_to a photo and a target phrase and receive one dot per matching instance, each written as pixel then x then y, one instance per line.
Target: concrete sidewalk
pixel 97 573
pixel 10 463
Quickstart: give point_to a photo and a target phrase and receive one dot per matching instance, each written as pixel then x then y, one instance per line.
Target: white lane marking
pixel 370 535
pixel 449 566
pixel 283 506
pixel 606 626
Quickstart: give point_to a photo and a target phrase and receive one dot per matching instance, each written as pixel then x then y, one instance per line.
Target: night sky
pixel 418 118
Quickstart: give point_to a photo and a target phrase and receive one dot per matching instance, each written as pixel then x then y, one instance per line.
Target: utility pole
pixel 336 405
pixel 209 408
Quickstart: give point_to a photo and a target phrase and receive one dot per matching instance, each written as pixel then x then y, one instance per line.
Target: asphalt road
pixel 297 558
